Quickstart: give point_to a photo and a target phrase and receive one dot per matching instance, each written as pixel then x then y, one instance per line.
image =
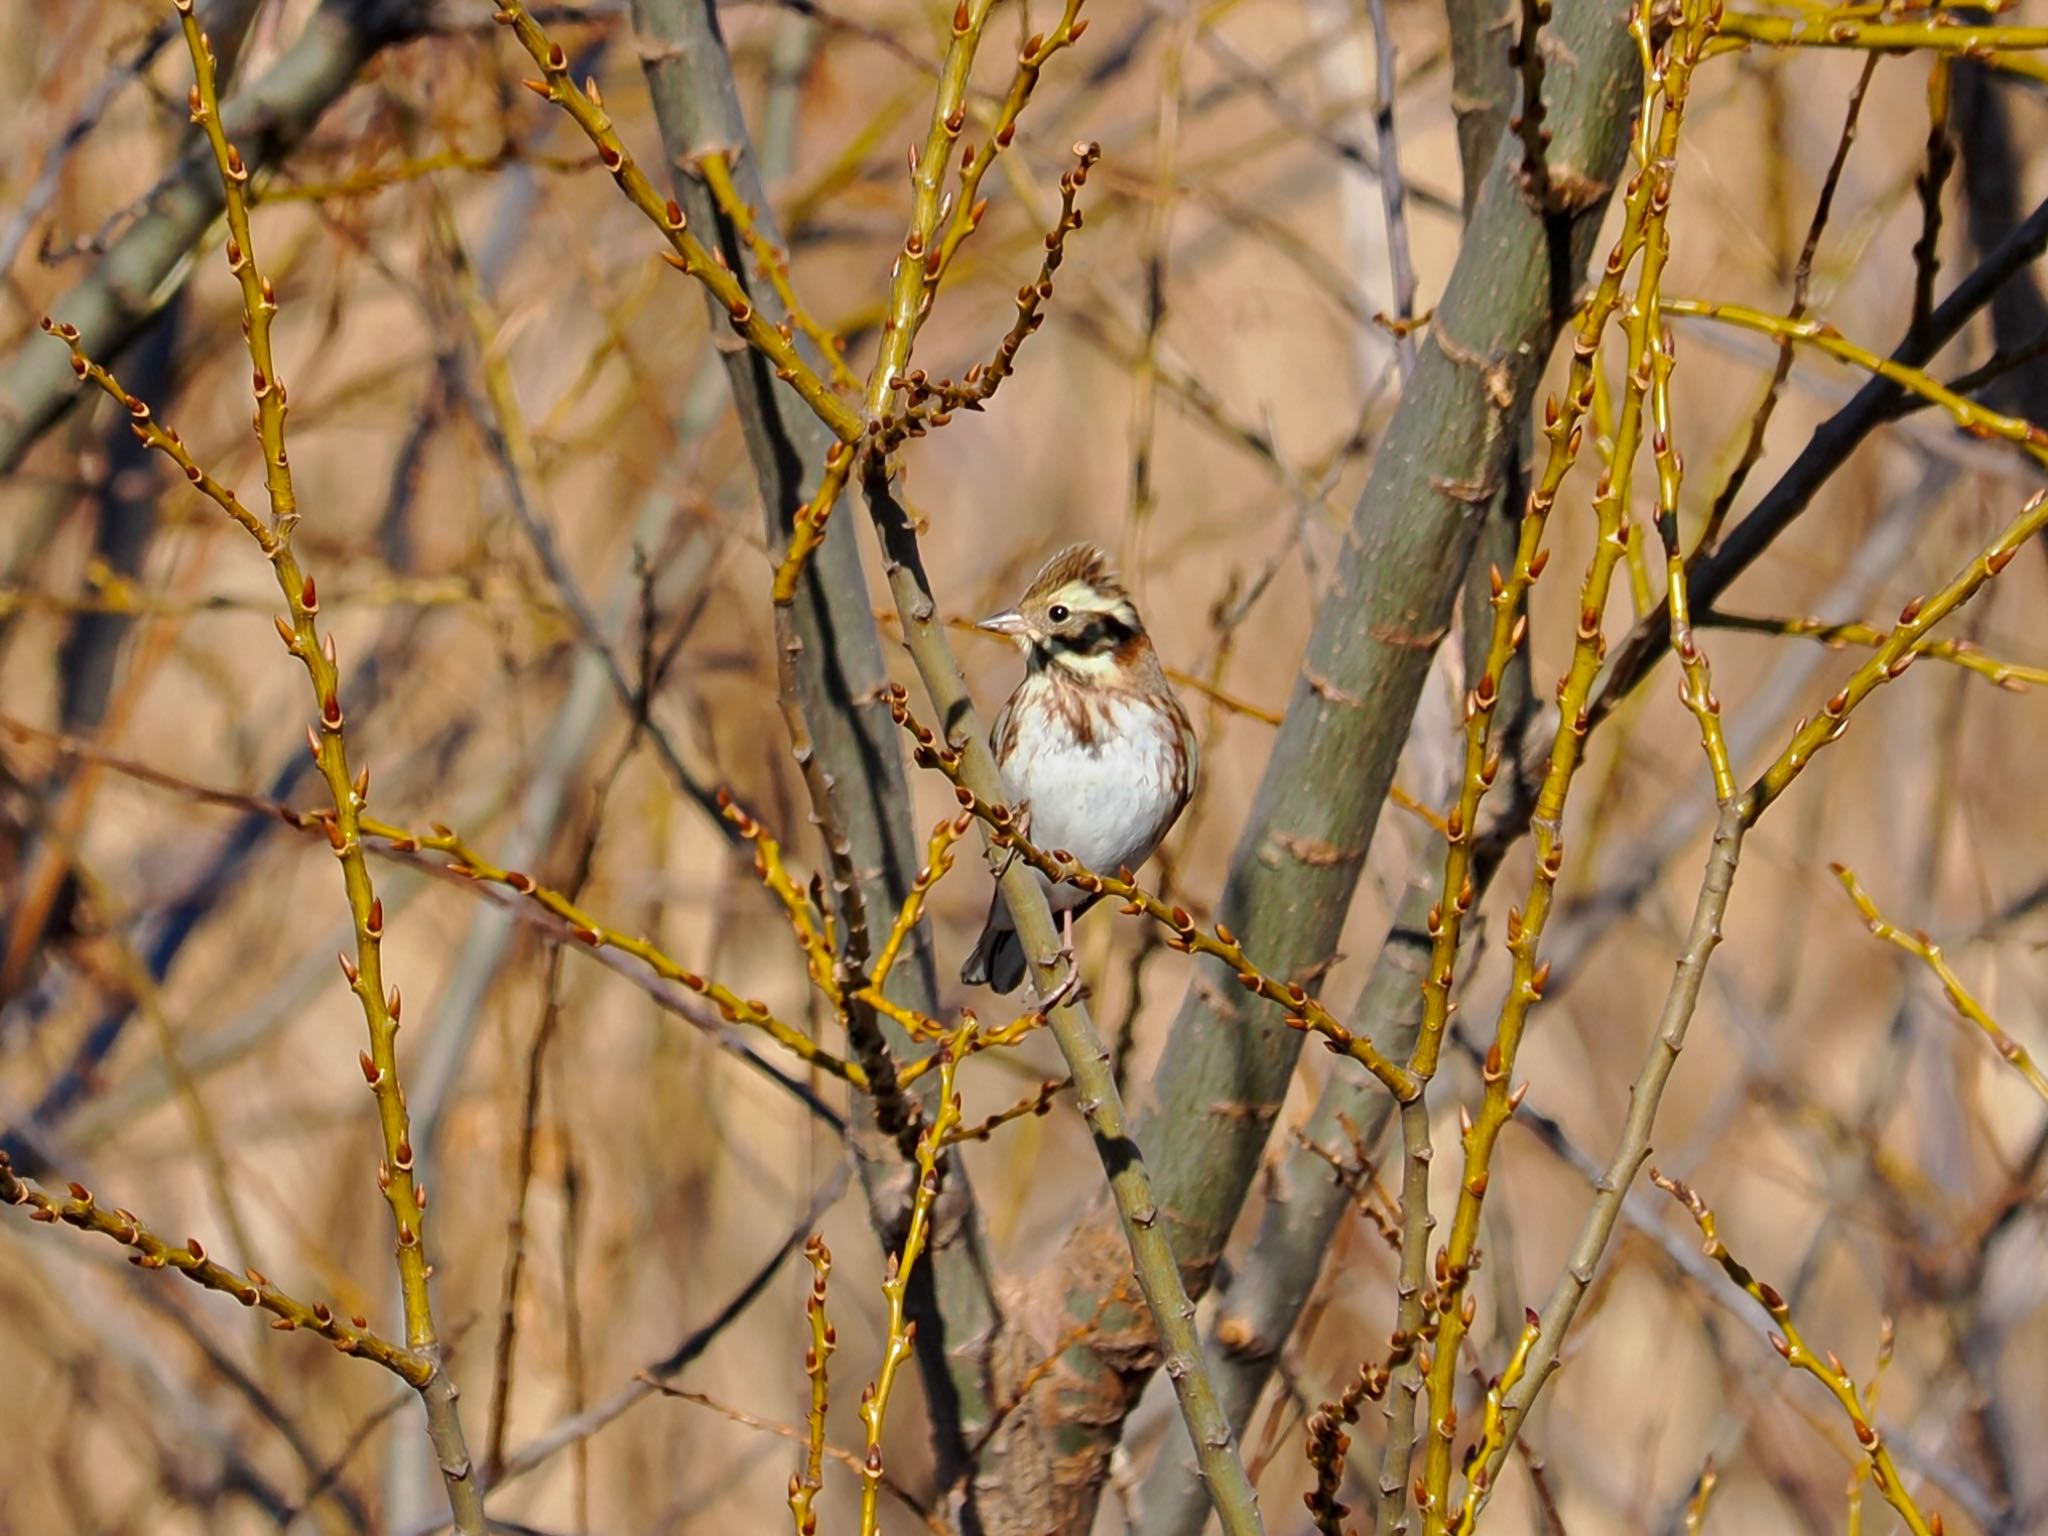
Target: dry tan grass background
pixel 1830 1106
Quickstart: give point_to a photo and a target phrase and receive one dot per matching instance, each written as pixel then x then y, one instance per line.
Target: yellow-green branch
pixel 1792 1347
pixel 352 1336
pixel 874 1404
pixel 774 266
pixel 2014 676
pixel 1924 949
pixel 1667 76
pixel 2000 47
pixel 804 1486
pixel 1978 420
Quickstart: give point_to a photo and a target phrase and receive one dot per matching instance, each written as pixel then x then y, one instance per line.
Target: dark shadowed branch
pixel 832 661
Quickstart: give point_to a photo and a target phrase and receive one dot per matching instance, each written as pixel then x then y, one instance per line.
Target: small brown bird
pixel 1093 747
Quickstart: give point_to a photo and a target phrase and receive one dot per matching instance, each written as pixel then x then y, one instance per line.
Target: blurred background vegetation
pixel 510 431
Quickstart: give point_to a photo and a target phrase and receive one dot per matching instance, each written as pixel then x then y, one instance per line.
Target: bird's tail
pixel 997 961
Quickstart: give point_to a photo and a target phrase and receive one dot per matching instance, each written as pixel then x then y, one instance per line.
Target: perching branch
pixel 1225 1067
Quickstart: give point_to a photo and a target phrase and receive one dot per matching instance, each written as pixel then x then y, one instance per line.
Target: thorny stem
pixel 1328 1444
pixel 928 402
pixel 1696 681
pixel 1564 429
pixel 1938 33
pixel 2016 677
pixel 1033 1104
pixel 938 863
pixel 842 977
pixel 164 440
pixel 301 636
pixel 351 1336
pixel 1890 661
pixel 1791 1345
pixel 1924 949
pixel 1666 77
pixel 913 280
pixel 1493 1428
pixel 1887 1341
pixel 804 1486
pixel 1974 418
pixel 1416 1310
pixel 969 206
pixel 806 533
pixel 896 1348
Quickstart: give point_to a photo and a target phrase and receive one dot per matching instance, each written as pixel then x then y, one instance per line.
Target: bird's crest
pixel 1084 563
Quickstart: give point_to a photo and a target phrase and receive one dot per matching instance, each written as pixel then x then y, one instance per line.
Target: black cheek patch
pixel 1100 635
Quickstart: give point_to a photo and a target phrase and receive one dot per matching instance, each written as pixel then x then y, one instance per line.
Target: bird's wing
pixel 1191 749
pixel 998 733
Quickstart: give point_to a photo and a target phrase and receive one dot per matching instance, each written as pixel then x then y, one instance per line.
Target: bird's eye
pixel 1059 613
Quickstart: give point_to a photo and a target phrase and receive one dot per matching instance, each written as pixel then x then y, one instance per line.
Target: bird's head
pixel 1075 615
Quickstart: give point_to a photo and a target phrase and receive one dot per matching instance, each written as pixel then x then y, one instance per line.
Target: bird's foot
pixel 1070 982
pixel 1064 991
pixel 1020 820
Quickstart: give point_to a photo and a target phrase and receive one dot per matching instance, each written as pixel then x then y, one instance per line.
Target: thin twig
pixel 1941 160
pixel 1790 1344
pixel 1812 735
pixel 1929 953
pixel 1393 191
pixel 352 1336
pixel 685 252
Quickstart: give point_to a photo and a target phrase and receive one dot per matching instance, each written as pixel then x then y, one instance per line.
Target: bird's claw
pixel 1070 982
pixel 1020 820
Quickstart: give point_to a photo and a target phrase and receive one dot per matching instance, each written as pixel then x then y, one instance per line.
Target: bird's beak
pixel 1010 622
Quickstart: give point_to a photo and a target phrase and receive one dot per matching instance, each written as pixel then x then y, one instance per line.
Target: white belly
pixel 1107 802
